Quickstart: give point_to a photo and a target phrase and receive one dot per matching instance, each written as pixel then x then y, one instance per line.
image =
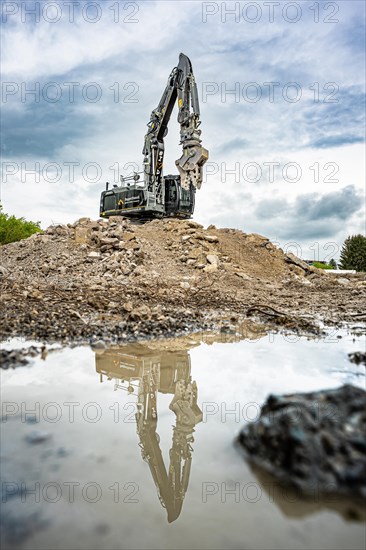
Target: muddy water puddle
pixel 132 446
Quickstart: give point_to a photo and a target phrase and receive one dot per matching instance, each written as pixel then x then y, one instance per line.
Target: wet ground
pixel 133 447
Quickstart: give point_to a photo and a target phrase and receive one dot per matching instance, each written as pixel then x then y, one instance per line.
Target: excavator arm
pixel 182 86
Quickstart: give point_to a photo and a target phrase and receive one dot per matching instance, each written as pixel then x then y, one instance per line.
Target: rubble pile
pixel 115 279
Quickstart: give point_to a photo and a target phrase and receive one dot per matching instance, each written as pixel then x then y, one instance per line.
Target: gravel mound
pixel 115 279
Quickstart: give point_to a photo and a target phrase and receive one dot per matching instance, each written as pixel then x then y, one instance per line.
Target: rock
pixel 295 261
pixel 61 230
pixel 212 259
pixel 243 276
pixel 211 238
pixel 82 234
pixel 196 253
pixel 3 271
pixel 129 236
pixel 210 268
pixel 299 271
pixel 256 238
pixel 110 241
pixel 82 221
pixel 127 306
pixel 343 281
pixel 94 254
pixel 185 285
pixel 312 441
pixel 141 313
pixel 44 238
pixel 193 224
pixel 185 238
pixel 57 229
pixel 191 261
pixel 119 220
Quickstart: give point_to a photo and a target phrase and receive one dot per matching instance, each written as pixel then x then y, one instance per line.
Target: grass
pixel 322 265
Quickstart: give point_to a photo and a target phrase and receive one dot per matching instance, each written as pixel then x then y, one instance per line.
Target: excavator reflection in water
pixel 143 370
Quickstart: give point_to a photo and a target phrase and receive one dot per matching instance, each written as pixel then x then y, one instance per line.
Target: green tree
pixel 333 263
pixel 353 253
pixel 15 229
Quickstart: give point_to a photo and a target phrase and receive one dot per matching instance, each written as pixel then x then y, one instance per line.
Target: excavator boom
pixel 157 195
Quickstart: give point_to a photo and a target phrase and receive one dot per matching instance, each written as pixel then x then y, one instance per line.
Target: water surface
pixel 132 447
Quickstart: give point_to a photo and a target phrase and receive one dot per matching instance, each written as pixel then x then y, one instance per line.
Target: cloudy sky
pixel 282 91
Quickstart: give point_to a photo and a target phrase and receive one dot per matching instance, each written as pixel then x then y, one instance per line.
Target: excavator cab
pixel 128 199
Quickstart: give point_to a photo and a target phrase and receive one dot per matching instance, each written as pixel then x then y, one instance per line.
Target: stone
pixel 3 271
pixel 211 238
pixel 210 268
pixel 141 312
pixel 129 236
pixel 81 221
pixel 212 259
pixel 243 275
pixel 297 270
pixel 185 285
pixel 109 241
pixel 193 224
pixel 312 440
pixel 82 234
pixel 195 253
pixel 118 220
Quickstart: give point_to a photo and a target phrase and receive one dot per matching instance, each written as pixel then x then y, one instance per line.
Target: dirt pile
pixel 98 279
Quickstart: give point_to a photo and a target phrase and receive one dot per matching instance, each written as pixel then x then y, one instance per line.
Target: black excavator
pixel 149 194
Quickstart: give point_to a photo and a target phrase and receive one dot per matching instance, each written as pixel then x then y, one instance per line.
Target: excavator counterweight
pixel 150 194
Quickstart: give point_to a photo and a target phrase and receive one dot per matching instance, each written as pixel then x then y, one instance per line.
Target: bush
pixel 322 265
pixel 15 229
pixel 353 253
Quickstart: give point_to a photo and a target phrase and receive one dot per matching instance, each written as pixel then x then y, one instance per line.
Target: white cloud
pixel 241 132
